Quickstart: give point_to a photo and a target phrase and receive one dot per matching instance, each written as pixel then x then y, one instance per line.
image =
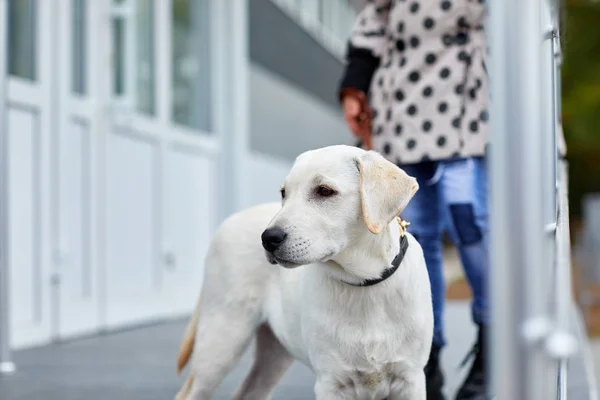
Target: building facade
pixel 131 128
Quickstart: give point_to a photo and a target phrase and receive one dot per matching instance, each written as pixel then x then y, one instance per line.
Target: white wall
pixel 268 174
pixel 285 120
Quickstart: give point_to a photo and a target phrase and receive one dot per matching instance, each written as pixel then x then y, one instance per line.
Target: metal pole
pixel 517 202
pixel 549 183
pixel 6 364
pixel 560 344
pixel 549 121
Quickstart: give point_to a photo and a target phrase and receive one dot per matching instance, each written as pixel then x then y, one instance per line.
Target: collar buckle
pixel 402 224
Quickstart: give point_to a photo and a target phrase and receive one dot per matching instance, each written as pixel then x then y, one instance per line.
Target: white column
pixel 518 273
pixel 6 364
pixel 102 81
pixel 231 68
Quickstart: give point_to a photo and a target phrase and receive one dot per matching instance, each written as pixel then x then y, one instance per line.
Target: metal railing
pixel 532 308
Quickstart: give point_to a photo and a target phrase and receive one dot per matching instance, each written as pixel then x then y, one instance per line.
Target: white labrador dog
pixel 343 301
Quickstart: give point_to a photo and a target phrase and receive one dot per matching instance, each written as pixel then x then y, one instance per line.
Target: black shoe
pixel 475 385
pixel 433 375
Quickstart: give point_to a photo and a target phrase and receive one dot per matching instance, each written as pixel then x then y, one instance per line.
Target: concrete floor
pixel 140 365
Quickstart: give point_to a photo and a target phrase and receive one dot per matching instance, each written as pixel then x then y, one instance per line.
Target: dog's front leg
pixel 411 386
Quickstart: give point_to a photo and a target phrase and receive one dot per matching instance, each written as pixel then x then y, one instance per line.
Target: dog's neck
pixel 367 258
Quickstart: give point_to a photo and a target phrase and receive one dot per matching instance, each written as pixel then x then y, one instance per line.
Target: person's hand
pixel 358 119
pixel 352 110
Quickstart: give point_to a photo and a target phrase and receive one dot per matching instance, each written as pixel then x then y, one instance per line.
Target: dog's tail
pixel 187 345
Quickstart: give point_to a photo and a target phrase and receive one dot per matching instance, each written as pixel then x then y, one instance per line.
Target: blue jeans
pixel 452 197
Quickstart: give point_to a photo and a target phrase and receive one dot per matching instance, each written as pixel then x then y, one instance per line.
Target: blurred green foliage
pixel 581 98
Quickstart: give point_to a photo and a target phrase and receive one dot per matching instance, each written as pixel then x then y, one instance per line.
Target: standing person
pixel 415 89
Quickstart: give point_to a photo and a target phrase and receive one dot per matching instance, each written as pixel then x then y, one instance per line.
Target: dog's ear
pixel 385 190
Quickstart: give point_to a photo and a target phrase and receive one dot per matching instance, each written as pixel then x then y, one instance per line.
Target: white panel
pixel 189 218
pixel 78 294
pixel 29 191
pixel 272 172
pixel 75 192
pixel 131 262
pixel 29 321
pixel 24 250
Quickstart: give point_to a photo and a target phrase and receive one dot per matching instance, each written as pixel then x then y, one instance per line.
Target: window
pixel 22 31
pixel 145 57
pixel 133 54
pixel 325 14
pixel 78 47
pixel 190 66
pixel 119 51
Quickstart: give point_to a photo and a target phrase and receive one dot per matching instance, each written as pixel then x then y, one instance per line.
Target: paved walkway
pixel 140 365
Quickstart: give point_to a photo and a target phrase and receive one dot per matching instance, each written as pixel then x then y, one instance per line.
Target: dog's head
pixel 331 198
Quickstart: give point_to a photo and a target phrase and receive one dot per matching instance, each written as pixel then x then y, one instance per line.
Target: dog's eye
pixel 282 191
pixel 325 191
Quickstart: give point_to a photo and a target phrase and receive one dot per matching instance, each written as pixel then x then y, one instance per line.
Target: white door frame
pixel 101 77
pixel 230 65
pixel 33 99
pixel 76 289
pixel 6 363
pixel 123 120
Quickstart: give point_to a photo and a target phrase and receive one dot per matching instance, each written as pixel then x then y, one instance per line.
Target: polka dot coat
pixel 422 64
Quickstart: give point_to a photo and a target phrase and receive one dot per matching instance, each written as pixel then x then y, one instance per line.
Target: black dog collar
pixel 395 262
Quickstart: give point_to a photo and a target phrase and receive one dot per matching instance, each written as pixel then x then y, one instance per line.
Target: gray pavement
pixel 139 364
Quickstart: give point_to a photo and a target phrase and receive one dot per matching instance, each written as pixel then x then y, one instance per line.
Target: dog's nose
pixel 272 238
